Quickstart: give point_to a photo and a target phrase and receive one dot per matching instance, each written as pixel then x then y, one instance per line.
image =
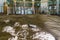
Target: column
pixel 5 7
pixel 5 0
pixel 15 6
pixel 57 6
pixel 24 7
pixel 33 6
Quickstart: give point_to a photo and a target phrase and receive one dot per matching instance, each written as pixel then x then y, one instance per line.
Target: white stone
pixel 43 36
pixel 6 21
pixel 13 38
pixel 16 24
pixel 25 26
pixel 9 29
pixel 35 29
pixel 34 26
